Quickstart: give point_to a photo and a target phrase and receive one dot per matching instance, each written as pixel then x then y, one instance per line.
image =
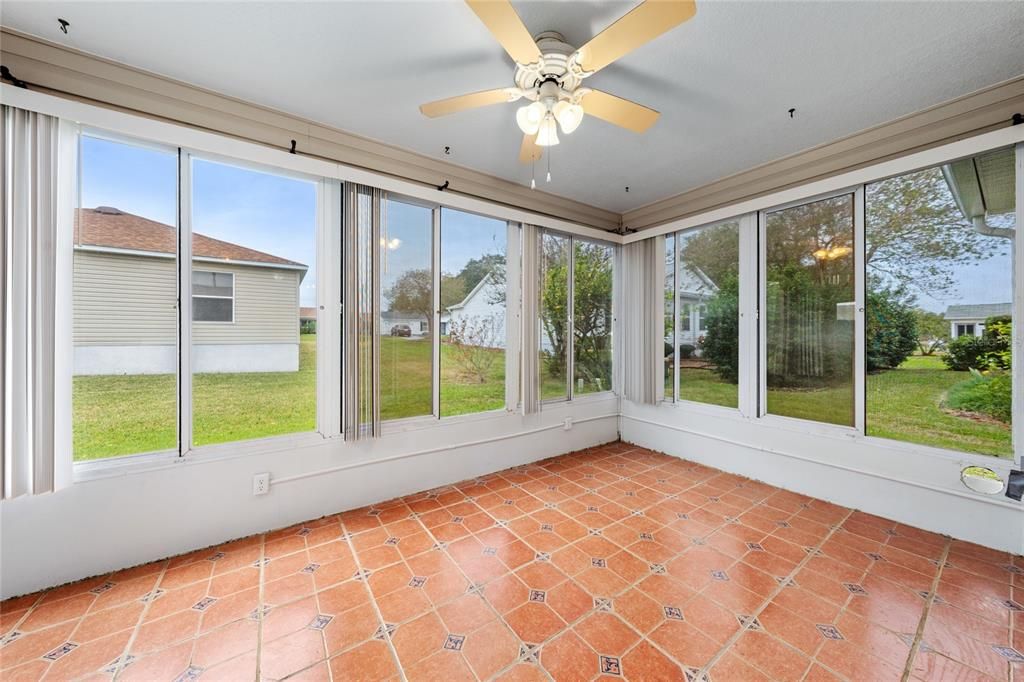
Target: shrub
pixel 977 352
pixel 686 350
pixel 999 334
pixel 668 349
pixel 721 345
pixel 891 333
pixel 988 394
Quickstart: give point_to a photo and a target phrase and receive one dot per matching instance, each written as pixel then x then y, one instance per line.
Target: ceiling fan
pixel 550 72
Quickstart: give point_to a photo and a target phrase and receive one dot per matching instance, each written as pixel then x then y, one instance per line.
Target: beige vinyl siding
pixel 122 299
pixel 266 307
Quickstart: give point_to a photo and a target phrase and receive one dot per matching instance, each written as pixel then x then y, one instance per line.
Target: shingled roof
pixel 112 228
pixel 978 311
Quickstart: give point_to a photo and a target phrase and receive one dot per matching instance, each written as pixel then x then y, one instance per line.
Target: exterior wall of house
pixel 955 325
pixel 125 318
pixel 479 307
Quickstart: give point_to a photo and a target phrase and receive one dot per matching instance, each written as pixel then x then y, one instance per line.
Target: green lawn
pixel 904 404
pixel 119 415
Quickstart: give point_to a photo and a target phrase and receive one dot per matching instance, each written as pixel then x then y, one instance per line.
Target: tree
pixel 472 341
pixel 932 331
pixel 476 269
pixel 722 339
pixel 413 293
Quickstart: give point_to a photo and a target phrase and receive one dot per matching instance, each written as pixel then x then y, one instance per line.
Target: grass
pixel 120 415
pixel 906 404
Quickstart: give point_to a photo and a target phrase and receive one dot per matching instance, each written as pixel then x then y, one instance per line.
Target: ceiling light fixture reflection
pixel 832 253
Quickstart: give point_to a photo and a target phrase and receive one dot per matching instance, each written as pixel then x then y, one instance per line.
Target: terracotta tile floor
pixel 614 562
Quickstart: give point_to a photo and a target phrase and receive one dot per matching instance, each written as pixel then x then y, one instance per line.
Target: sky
pixel 270 213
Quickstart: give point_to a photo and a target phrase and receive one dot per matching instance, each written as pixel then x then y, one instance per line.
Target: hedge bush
pixel 988 394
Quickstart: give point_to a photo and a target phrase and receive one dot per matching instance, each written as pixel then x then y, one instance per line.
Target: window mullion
pixel 1017 387
pixel 184 302
pixel 570 346
pixel 435 322
pixel 859 284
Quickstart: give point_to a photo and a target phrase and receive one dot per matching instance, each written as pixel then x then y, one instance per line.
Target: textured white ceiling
pixel 723 81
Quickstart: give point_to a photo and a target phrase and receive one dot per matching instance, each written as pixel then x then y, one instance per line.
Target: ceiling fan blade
pixel 621 112
pixel 443 107
pixel 530 151
pixel 642 24
pixel 505 25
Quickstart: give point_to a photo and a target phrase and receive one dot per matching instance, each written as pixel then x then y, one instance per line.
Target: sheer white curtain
pixel 29 150
pixel 643 286
pixel 530 343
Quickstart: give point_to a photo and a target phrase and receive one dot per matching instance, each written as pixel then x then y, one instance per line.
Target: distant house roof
pixel 307 313
pixel 484 281
pixel 978 311
pixel 112 228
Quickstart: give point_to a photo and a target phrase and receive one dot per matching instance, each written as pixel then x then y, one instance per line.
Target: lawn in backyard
pixel 903 404
pixel 129 414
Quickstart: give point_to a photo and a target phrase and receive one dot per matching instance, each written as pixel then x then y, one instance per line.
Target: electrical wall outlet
pixel 567 425
pixel 261 484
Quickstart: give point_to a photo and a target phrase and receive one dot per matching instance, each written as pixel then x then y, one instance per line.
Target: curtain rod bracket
pixel 441 188
pixel 292 150
pixel 6 74
pixel 1017 119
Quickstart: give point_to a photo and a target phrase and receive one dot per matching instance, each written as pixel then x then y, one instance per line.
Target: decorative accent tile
pixel 457 519
pixel 440 546
pixel 469 498
pixel 529 653
pixel 610 666
pixel 1013 569
pixel 588 476
pixel 501 523
pixel 551 505
pixel 256 613
pixel 191 673
pixel 662 480
pixel 814 551
pixel 538 596
pixel 373 512
pixel 152 595
pixel 547 528
pixel 304 531
pixel 414 515
pixel 454 642
pixel 594 531
pixel 874 556
pixel 719 575
pixel 309 568
pixel 384 631
pixel 755 547
pixel 673 612
pixel 417 581
pixel 713 499
pixel 636 512
pixel 261 562
pixel 598 563
pixel 749 622
pixel 602 604
pixel 785 581
pixel 1012 605
pixel 361 574
pixel 682 517
pixel 100 589
pixel 591 508
pixel 203 604
pixel 647 537
pixel 657 569
pixel 62 650
pixel 829 631
pixel 123 661
pixel 217 556
pixel 490 551
pixel 698 541
pixel 508 503
pixel 392 541
pixel 630 493
pixel 320 622
pixel 1009 653
pixel 475 588
pixel 542 556
pixel 891 533
pixel 552 488
pixel 10 637
pixel 854 588
pixel 782 524
pixel 695 675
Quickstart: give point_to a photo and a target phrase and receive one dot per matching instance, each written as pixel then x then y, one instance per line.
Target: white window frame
pixel 218 298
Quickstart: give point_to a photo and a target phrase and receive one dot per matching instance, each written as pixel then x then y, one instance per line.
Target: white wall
pixel 239 357
pixel 98 525
pixel 906 484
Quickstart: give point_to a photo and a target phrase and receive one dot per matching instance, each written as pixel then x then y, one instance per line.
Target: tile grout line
pixel 768 600
pixel 122 660
pixel 365 579
pixel 261 605
pixel 919 634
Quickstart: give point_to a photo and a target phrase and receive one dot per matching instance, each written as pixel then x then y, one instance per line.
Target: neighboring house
pixel 969 320
pixel 483 305
pixel 245 303
pixel 695 289
pixel 418 324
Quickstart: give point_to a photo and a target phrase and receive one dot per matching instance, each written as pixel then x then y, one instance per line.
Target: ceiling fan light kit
pixel 549 72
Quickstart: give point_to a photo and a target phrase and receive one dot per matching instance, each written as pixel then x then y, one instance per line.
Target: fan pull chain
pixel 533 178
pixel 549 164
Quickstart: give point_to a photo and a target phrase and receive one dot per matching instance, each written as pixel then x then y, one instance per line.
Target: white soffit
pixel 724 81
